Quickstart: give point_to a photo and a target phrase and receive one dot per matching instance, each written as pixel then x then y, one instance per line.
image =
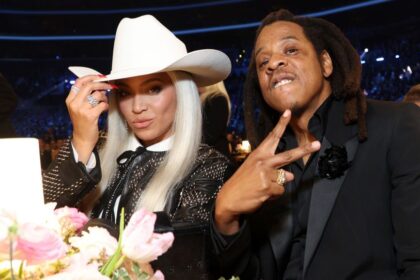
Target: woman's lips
pixel 142 123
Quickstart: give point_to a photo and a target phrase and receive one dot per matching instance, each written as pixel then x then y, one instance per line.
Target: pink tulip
pixel 158 276
pixel 73 216
pixel 37 243
pixel 140 243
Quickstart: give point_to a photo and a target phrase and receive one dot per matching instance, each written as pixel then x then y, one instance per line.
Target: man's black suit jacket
pixel 362 225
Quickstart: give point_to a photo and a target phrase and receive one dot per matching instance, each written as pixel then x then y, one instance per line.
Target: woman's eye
pixel 121 92
pixel 155 90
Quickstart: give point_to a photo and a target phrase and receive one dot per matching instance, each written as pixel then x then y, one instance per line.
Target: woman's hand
pixel 85 116
pixel 256 180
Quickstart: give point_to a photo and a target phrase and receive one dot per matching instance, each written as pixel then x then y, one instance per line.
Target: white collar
pixel 161 146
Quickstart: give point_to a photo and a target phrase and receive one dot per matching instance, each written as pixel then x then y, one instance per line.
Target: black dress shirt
pixel 301 188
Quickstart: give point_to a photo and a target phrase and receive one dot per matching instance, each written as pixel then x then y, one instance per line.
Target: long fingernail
pixel 114 86
pixel 286 113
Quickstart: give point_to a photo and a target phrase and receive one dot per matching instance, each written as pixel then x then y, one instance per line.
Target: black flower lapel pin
pixel 333 163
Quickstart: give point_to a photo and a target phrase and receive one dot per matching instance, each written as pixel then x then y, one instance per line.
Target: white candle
pixel 20 177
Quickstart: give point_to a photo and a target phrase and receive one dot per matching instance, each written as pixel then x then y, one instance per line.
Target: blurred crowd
pixel 389 70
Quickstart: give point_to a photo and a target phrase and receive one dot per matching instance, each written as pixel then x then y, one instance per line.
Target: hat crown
pixel 145 43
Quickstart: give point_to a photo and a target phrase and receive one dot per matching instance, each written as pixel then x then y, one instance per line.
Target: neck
pixel 300 121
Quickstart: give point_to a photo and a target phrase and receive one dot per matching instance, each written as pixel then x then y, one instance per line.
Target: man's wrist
pixel 226 224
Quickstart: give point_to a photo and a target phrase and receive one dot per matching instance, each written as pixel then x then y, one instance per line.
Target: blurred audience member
pixel 45 153
pixel 413 95
pixel 216 112
pixel 8 103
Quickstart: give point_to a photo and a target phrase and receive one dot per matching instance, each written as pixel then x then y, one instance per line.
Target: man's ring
pixel 281 177
pixel 92 101
pixel 75 89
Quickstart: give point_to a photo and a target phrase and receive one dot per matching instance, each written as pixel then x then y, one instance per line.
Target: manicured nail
pixel 286 113
pixel 101 76
pixel 114 86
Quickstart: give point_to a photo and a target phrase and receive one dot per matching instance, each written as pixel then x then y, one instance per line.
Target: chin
pixel 285 105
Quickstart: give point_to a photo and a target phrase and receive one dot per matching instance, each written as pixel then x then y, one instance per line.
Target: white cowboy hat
pixel 144 46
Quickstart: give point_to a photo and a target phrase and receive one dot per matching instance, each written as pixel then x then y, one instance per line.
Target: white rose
pixel 93 242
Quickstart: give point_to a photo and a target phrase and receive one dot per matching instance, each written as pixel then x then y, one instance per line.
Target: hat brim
pixel 206 66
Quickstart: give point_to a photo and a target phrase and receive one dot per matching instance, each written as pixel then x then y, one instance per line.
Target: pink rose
pixel 71 215
pixel 140 243
pixel 37 243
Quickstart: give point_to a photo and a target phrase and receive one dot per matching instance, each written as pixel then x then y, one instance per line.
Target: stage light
pixel 380 59
pixel 397 56
pixel 363 61
pixel 409 69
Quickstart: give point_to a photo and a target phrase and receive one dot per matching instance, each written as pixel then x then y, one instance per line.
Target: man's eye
pixel 291 51
pixel 263 63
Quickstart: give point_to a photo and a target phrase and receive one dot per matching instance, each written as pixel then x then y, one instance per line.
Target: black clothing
pixel 361 226
pixel 300 189
pixel 215 118
pixel 67 182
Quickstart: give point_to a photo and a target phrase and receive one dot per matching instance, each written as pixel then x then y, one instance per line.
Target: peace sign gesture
pixel 256 180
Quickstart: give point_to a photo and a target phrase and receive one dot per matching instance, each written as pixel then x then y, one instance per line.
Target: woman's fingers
pixel 78 85
pixel 103 103
pixel 89 89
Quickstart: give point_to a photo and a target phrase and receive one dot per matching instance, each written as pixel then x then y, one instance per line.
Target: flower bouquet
pixel 53 246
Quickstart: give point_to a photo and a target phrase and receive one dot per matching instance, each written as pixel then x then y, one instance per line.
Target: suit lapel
pixel 325 191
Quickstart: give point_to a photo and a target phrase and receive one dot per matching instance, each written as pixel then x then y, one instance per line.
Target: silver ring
pixel 75 89
pixel 281 177
pixel 92 101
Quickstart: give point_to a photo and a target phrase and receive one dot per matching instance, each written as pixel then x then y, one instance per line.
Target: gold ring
pixel 281 177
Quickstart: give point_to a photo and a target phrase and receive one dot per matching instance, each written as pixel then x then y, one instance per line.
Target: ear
pixel 326 64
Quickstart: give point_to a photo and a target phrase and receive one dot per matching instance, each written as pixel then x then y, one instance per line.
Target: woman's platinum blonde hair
pixel 177 162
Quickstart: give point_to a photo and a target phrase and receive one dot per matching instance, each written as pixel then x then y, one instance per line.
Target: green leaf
pixel 121 274
pixel 116 259
pixel 136 269
pixel 5 274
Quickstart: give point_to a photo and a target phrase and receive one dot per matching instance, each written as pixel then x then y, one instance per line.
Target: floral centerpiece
pixel 54 247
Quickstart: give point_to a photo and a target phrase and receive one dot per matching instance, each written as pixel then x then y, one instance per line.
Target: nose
pixel 276 61
pixel 139 103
